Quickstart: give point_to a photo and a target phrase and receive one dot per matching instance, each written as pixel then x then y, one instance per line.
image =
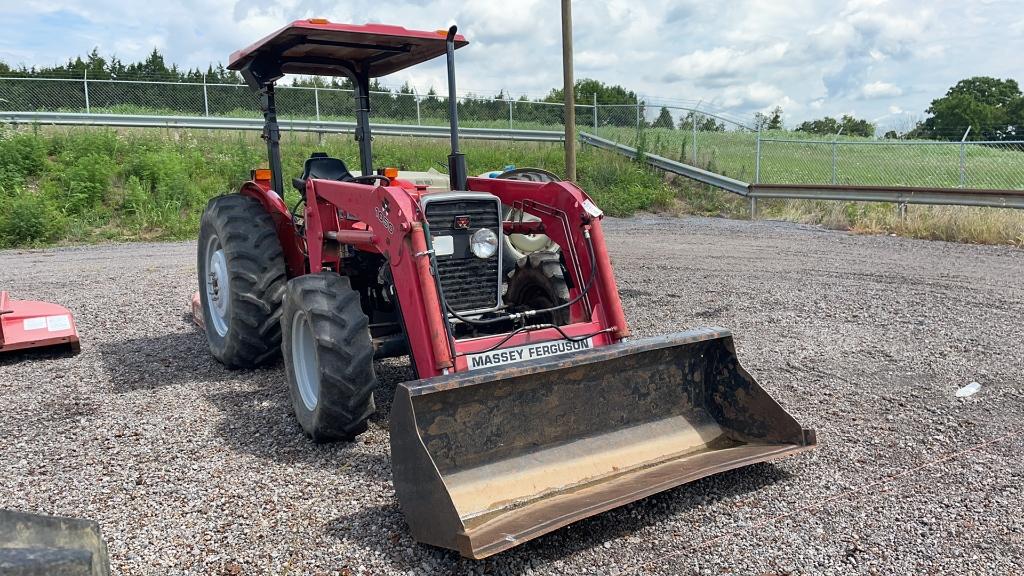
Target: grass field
pixel 87 185
pixel 799 158
pixel 82 185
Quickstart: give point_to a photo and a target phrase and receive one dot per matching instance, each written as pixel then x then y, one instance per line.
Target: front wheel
pixel 328 357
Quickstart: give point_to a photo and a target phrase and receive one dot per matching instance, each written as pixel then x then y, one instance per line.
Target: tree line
pixel 225 95
pixel 984 108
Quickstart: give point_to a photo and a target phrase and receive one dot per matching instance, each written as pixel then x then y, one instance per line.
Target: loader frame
pixel 388 220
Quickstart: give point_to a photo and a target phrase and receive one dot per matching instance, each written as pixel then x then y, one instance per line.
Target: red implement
pixel 197 310
pixel 31 324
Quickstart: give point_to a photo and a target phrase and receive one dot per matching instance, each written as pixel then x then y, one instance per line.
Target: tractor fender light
pixel 319 21
pixel 391 173
pixel 483 243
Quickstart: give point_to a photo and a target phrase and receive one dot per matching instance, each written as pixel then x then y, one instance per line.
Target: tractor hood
pixel 319 47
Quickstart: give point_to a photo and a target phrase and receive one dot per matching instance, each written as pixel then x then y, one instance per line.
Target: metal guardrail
pixel 218 123
pixel 900 195
pixel 692 172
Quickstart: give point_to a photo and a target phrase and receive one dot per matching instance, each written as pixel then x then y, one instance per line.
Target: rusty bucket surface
pixel 484 461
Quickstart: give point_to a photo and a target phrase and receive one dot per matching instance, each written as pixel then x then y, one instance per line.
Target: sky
pixel 884 60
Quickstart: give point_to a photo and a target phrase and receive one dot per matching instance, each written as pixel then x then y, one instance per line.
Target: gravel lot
pixel 192 469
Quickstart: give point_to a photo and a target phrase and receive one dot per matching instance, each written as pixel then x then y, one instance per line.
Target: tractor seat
pixel 322 167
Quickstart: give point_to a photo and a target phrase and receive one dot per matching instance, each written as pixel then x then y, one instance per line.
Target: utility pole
pixel 568 87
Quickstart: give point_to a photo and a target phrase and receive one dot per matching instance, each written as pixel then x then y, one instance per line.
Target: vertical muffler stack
pixel 485 460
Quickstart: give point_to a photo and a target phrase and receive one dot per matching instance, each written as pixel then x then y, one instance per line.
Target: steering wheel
pixel 370 178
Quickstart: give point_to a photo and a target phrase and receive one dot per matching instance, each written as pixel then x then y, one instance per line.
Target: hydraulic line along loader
pixel 532 410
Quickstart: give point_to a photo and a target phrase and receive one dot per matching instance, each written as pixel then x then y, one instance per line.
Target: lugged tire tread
pixel 541 268
pixel 344 353
pixel 257 272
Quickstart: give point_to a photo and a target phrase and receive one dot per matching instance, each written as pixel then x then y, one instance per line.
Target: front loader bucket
pixel 486 460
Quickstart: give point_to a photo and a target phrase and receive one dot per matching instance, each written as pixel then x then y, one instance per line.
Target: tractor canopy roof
pixel 319 47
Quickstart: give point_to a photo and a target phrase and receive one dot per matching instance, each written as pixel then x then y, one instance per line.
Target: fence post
pixel 835 142
pixel 694 123
pixel 510 103
pixel 85 83
pixel 416 98
pixel 757 166
pixel 316 100
pixel 753 208
pixel 316 110
pixel 595 112
pixel 963 158
pixel 637 115
pixel 206 97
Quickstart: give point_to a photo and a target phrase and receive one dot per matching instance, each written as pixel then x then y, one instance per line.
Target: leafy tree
pixel 664 119
pixel 770 121
pixel 823 126
pixel 857 126
pixel 584 91
pixel 704 123
pixel 991 107
pixel 829 126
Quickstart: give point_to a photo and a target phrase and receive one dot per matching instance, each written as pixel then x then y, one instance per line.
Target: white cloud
pixel 880 90
pixel 723 62
pixel 810 56
pixel 755 95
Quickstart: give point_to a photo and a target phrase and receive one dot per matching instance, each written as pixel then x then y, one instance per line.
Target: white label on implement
pixel 528 352
pixel 33 324
pixel 58 323
pixel 444 245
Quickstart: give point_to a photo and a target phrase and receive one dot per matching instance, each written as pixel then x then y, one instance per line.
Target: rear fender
pixel 291 242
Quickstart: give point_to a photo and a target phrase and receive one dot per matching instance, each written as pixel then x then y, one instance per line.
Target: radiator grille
pixel 469 282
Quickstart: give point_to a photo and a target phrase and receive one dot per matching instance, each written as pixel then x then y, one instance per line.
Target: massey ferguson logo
pixel 462 222
pixel 382 215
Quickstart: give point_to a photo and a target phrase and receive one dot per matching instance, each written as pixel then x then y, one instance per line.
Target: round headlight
pixel 483 243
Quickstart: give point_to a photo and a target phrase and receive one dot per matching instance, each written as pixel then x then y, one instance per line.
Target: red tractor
pixel 531 410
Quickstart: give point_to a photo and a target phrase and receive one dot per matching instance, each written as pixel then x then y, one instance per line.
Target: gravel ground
pixel 193 469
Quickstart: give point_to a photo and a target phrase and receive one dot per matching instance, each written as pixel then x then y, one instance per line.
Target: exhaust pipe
pixel 486 460
pixel 457 172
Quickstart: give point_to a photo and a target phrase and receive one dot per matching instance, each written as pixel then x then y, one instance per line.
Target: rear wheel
pixel 328 357
pixel 241 281
pixel 537 283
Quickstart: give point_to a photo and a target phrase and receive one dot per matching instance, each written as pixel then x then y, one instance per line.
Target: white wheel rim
pixel 304 361
pixel 218 286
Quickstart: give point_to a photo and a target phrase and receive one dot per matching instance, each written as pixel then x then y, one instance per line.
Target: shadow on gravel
pixel 260 422
pixel 157 361
pixel 30 354
pixel 390 537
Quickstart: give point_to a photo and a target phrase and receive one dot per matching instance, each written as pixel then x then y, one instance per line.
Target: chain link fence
pixel 700 138
pixel 979 165
pixel 293 102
